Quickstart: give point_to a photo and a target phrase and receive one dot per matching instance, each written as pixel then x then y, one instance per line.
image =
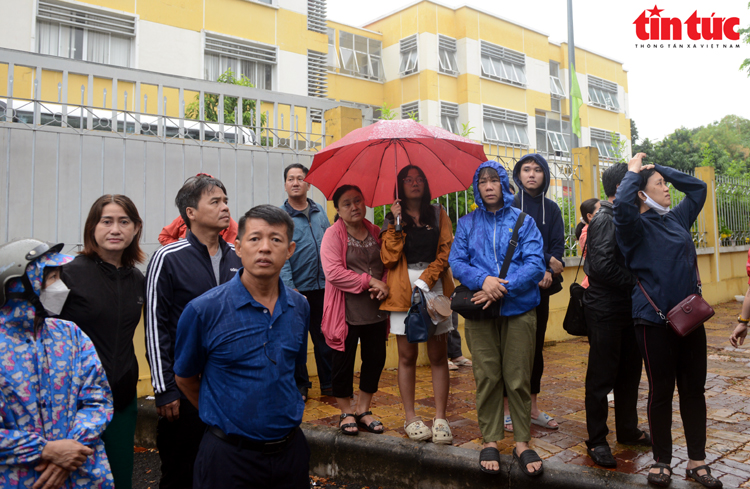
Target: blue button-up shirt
pixel 246 357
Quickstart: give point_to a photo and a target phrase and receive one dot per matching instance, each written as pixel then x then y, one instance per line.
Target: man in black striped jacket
pixel 177 274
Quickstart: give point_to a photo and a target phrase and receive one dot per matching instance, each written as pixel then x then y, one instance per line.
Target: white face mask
pixel 53 297
pixel 660 209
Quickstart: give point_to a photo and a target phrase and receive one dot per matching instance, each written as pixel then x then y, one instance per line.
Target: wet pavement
pixel 562 396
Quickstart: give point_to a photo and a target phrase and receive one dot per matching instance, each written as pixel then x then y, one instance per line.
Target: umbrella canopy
pixel 372 156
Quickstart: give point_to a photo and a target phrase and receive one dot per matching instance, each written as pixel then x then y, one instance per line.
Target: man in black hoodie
pixel 614 358
pixel 532 177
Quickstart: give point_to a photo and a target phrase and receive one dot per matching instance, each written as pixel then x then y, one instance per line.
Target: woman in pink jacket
pixel 355 286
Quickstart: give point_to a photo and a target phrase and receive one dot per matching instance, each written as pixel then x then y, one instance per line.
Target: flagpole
pixel 572 59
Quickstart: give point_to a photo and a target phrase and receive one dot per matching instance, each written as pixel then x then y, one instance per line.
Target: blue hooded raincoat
pixel 546 212
pixel 481 243
pixel 53 388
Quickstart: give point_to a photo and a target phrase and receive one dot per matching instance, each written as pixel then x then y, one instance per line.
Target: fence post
pixel 339 122
pixel 587 158
pixel 710 215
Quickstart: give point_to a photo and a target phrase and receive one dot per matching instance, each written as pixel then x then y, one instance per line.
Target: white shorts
pixel 398 318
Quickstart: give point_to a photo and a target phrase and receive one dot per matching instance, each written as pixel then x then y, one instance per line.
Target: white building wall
pixel 537 75
pixel 299 6
pixel 291 73
pixel 391 62
pixel 585 139
pixel 429 112
pixel 428 51
pixel 468 57
pixel 18 26
pixel 167 49
pixel 471 113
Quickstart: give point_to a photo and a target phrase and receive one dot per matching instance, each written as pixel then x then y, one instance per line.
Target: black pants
pixel 220 464
pixel 669 359
pixel 178 443
pixel 372 339
pixel 454 339
pixel 614 363
pixel 542 315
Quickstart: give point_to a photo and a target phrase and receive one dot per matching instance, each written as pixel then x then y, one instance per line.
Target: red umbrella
pixel 372 156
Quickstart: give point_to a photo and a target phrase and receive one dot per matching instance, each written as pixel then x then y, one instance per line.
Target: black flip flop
pixel 489 454
pixel 660 478
pixel 369 427
pixel 343 427
pixel 528 456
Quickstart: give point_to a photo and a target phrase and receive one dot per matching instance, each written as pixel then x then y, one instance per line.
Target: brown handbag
pixel 686 316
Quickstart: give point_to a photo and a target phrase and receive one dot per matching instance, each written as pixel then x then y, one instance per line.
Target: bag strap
pixel 512 245
pixel 581 260
pixel 658 311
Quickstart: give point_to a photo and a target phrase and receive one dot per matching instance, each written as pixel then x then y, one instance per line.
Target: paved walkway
pixel 727 393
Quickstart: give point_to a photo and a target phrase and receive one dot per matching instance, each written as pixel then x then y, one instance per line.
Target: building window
pixel 317 85
pixel 504 126
pixel 410 111
pixel 552 134
pixel 244 58
pixel 503 64
pixel 449 116
pixel 360 56
pixel 603 142
pixel 86 34
pixel 316 16
pixel 555 85
pixel 409 56
pixel 447 50
pixel 603 93
pixel 332 61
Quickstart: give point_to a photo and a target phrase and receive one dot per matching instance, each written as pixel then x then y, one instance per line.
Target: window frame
pixel 86 19
pixel 501 64
pixel 371 58
pixel 449 115
pixel 603 94
pixel 602 139
pixel 263 56
pixel 449 46
pixel 498 118
pixel 409 108
pixel 409 55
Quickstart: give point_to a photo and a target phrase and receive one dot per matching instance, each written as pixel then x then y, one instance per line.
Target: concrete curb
pixel 378 460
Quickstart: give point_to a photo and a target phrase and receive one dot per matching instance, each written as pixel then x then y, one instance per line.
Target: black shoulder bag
pixel 461 298
pixel 575 320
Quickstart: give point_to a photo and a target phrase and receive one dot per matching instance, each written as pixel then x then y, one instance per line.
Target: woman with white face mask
pixel 658 248
pixel 105 301
pixel 55 400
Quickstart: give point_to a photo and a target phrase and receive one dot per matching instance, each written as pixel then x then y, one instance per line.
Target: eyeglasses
pixel 410 180
pixel 266 352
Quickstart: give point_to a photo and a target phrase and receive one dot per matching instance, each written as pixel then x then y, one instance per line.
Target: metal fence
pixel 733 210
pixel 61 148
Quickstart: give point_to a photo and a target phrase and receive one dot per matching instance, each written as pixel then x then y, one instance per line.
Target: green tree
pixel 211 104
pixel 386 113
pixel 633 133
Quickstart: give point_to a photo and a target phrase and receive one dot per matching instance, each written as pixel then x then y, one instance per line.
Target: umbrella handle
pixel 398 224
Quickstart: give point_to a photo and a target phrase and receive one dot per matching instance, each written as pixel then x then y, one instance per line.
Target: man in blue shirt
pixel 303 272
pixel 236 351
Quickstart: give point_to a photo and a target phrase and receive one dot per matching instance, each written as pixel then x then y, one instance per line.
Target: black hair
pixel 426 212
pixel 588 207
pixel 488 172
pixel 192 191
pixel 512 188
pixel 579 230
pixel 271 214
pixel 645 175
pixel 341 191
pixel 297 166
pixel 611 178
